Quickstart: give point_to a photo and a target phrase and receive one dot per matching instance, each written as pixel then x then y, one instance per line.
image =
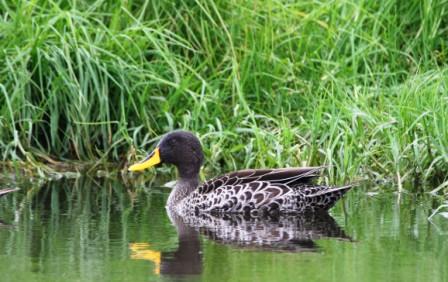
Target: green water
pixel 104 230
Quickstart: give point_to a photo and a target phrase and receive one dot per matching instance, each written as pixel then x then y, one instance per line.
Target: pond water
pixel 103 230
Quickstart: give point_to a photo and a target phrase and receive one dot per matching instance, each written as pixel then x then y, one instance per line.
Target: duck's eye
pixel 172 142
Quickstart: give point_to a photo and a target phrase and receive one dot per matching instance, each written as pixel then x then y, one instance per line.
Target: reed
pixel 357 85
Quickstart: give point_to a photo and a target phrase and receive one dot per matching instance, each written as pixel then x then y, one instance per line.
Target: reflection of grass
pixel 80 227
pixel 439 210
pixel 360 86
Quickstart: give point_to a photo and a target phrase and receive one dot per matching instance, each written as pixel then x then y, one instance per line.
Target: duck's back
pixel 292 177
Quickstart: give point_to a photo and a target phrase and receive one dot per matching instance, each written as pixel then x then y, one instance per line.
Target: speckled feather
pixel 270 191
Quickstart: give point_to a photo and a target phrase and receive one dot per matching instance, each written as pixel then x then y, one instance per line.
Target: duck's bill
pixel 149 161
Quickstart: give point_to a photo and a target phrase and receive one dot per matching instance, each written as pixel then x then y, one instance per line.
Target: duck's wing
pixel 267 190
pixel 289 176
pixel 262 196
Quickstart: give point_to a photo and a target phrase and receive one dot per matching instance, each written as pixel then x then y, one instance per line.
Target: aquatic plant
pixel 359 86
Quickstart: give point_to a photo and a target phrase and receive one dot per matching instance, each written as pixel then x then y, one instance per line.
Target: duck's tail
pixel 327 198
pixel 3 192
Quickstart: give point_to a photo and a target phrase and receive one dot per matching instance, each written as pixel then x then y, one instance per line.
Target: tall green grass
pixel 357 85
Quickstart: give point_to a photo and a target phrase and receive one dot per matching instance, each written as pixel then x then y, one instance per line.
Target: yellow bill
pixel 149 161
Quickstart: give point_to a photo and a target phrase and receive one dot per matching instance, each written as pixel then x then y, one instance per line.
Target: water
pixel 104 230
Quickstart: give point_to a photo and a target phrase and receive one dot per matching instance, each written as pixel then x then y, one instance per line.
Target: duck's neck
pixel 187 182
pixel 184 186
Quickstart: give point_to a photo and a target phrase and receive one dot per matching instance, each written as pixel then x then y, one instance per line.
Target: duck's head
pixel 180 148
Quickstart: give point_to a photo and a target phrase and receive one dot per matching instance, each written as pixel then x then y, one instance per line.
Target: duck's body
pixel 253 191
pixel 264 191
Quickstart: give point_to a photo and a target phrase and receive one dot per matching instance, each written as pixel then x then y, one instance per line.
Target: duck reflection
pixel 283 234
pixel 186 260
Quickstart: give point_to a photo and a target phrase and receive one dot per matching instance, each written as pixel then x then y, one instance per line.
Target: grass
pixel 357 85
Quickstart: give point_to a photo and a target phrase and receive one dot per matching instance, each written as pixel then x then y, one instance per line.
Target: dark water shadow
pixel 4 224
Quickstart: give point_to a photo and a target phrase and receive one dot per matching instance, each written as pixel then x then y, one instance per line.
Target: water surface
pixel 103 230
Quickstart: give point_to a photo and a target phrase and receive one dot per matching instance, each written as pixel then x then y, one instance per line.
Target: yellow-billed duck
pixel 251 191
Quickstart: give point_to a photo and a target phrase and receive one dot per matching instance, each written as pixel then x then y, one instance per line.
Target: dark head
pixel 180 148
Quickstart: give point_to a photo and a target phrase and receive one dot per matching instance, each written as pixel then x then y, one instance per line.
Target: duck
pixel 251 192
